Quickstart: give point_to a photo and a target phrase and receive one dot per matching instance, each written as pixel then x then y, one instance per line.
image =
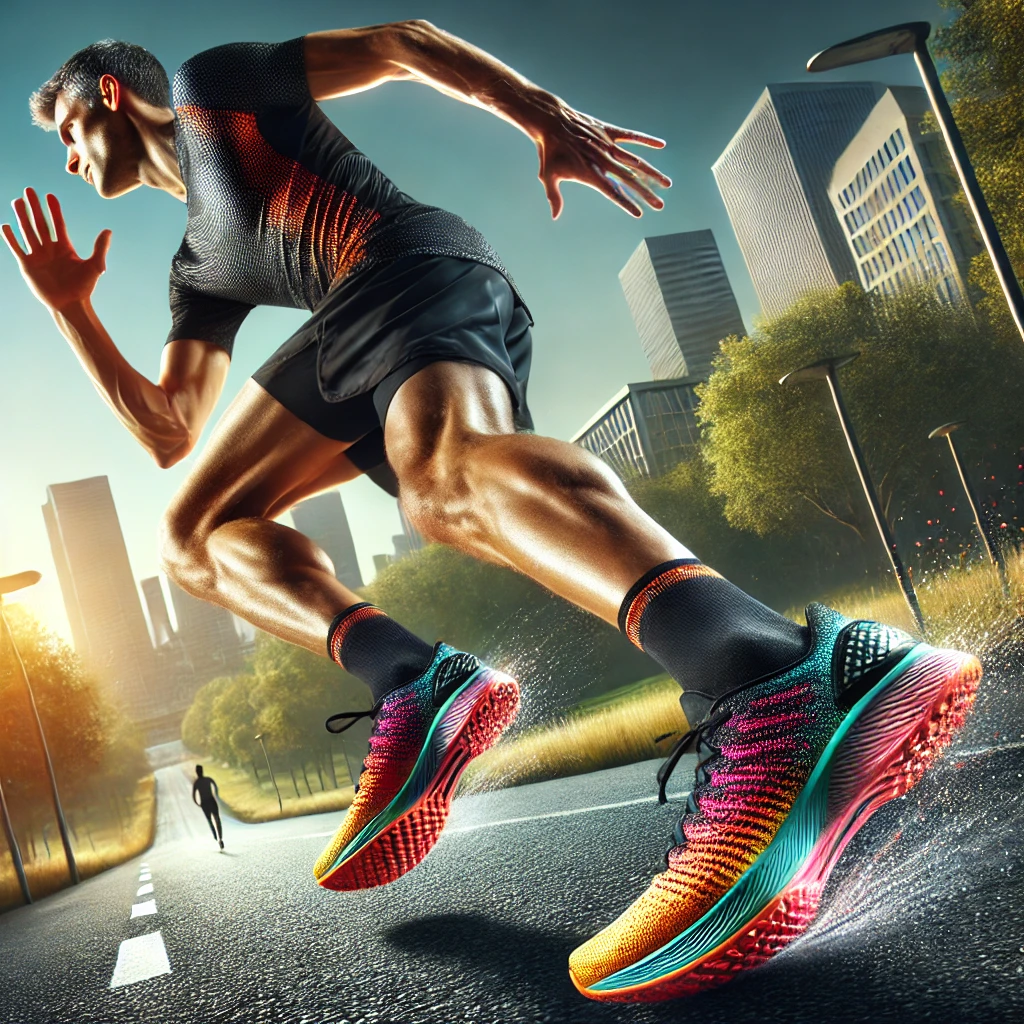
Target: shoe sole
pixel 402 834
pixel 883 747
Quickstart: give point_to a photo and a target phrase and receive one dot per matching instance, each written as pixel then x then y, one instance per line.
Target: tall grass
pixel 107 847
pixel 253 803
pixel 963 608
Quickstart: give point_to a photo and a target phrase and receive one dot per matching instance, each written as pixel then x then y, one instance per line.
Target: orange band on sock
pixel 658 586
pixel 341 630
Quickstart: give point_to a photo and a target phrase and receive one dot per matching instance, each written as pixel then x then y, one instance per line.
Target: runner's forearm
pixel 472 75
pixel 143 407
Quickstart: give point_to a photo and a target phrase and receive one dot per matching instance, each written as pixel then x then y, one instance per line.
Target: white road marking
pixel 145 876
pixel 139 959
pixel 559 814
pixel 145 890
pixel 144 908
pixel 507 821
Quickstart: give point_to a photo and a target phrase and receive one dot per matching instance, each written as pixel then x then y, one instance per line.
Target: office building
pixel 208 637
pixel 159 620
pixel 102 602
pixel 774 177
pixel 893 192
pixel 322 519
pixel 682 303
pixel 646 429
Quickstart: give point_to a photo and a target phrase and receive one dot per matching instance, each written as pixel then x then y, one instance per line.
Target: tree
pixel 777 453
pixel 983 54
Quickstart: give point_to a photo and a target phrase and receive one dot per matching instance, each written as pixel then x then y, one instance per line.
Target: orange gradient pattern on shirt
pixel 326 222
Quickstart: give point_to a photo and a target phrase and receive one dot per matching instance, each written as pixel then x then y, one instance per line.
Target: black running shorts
pixel 339 372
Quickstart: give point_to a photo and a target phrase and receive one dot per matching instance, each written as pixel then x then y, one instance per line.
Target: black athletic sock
pixel 708 634
pixel 376 649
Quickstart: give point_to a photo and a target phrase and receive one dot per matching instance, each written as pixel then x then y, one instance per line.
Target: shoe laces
pixel 700 738
pixel 349 718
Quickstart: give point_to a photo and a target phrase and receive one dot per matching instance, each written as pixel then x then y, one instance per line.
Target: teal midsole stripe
pixel 770 873
pixel 407 796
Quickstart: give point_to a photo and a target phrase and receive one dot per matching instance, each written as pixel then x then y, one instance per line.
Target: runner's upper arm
pixel 344 61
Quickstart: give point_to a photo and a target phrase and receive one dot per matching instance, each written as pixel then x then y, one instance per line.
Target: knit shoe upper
pixel 753 764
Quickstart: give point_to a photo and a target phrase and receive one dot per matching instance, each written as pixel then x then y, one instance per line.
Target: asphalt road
pixel 923 919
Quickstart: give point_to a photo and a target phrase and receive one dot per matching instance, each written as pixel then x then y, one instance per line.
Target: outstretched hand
pixel 574 146
pixel 57 275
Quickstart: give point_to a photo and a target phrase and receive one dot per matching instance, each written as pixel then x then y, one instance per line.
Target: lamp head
pixel 20 580
pixel 885 42
pixel 946 429
pixel 819 370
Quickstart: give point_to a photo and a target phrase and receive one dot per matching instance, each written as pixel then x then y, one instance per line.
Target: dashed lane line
pixel 143 909
pixel 139 959
pixel 145 890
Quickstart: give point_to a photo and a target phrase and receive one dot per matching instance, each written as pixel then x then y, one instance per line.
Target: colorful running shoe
pixel 789 768
pixel 424 734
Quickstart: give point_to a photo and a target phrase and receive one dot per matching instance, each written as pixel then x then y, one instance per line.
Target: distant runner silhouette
pixel 204 787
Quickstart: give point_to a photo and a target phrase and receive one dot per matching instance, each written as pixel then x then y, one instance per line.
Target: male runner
pixel 204 788
pixel 419 345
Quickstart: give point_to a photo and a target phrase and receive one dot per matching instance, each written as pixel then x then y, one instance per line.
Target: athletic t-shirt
pixel 281 204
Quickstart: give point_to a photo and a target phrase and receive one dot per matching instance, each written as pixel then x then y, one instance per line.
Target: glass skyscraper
pixel 646 429
pixel 681 301
pixel 774 177
pixel 102 602
pixel 893 192
pixel 322 519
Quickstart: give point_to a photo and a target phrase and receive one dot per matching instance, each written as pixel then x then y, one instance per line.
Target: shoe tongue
pixel 695 706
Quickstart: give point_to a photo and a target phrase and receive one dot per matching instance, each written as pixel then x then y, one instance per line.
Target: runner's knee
pixel 183 550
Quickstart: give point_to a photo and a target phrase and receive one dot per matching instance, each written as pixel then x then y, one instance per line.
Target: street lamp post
pixel 273 778
pixel 12 843
pixel 994 554
pixel 825 369
pixel 912 37
pixel 9 584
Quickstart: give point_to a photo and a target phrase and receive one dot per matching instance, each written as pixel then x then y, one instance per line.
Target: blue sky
pixel 686 70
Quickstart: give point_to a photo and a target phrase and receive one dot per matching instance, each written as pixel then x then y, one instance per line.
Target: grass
pixel 963 608
pixel 250 803
pixel 107 847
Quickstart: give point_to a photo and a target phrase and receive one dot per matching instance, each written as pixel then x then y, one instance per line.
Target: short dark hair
pixel 80 76
pixel 199 769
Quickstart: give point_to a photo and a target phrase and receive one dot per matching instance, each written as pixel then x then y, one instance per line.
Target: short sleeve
pixel 244 76
pixel 205 317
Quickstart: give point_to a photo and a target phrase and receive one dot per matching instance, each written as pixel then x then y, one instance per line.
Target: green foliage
pixel 96 754
pixel 286 694
pixel 983 55
pixel 777 454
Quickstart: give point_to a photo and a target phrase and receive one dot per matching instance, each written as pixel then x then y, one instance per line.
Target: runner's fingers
pixel 628 135
pixel 12 241
pixel 650 173
pixel 614 191
pixel 27 231
pixel 39 221
pixel 60 230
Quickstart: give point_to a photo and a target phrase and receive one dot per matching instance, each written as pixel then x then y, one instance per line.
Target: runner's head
pixel 199 770
pixel 94 100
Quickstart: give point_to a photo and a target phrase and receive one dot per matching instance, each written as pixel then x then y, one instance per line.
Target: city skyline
pixel 667 82
pixel 773 177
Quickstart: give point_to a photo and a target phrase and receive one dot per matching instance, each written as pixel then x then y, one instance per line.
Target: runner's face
pixel 103 146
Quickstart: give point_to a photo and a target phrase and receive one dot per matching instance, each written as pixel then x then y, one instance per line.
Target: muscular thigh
pixel 260 460
pixel 441 406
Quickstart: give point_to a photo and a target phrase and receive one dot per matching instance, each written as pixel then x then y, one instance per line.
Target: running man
pixel 418 345
pixel 204 787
